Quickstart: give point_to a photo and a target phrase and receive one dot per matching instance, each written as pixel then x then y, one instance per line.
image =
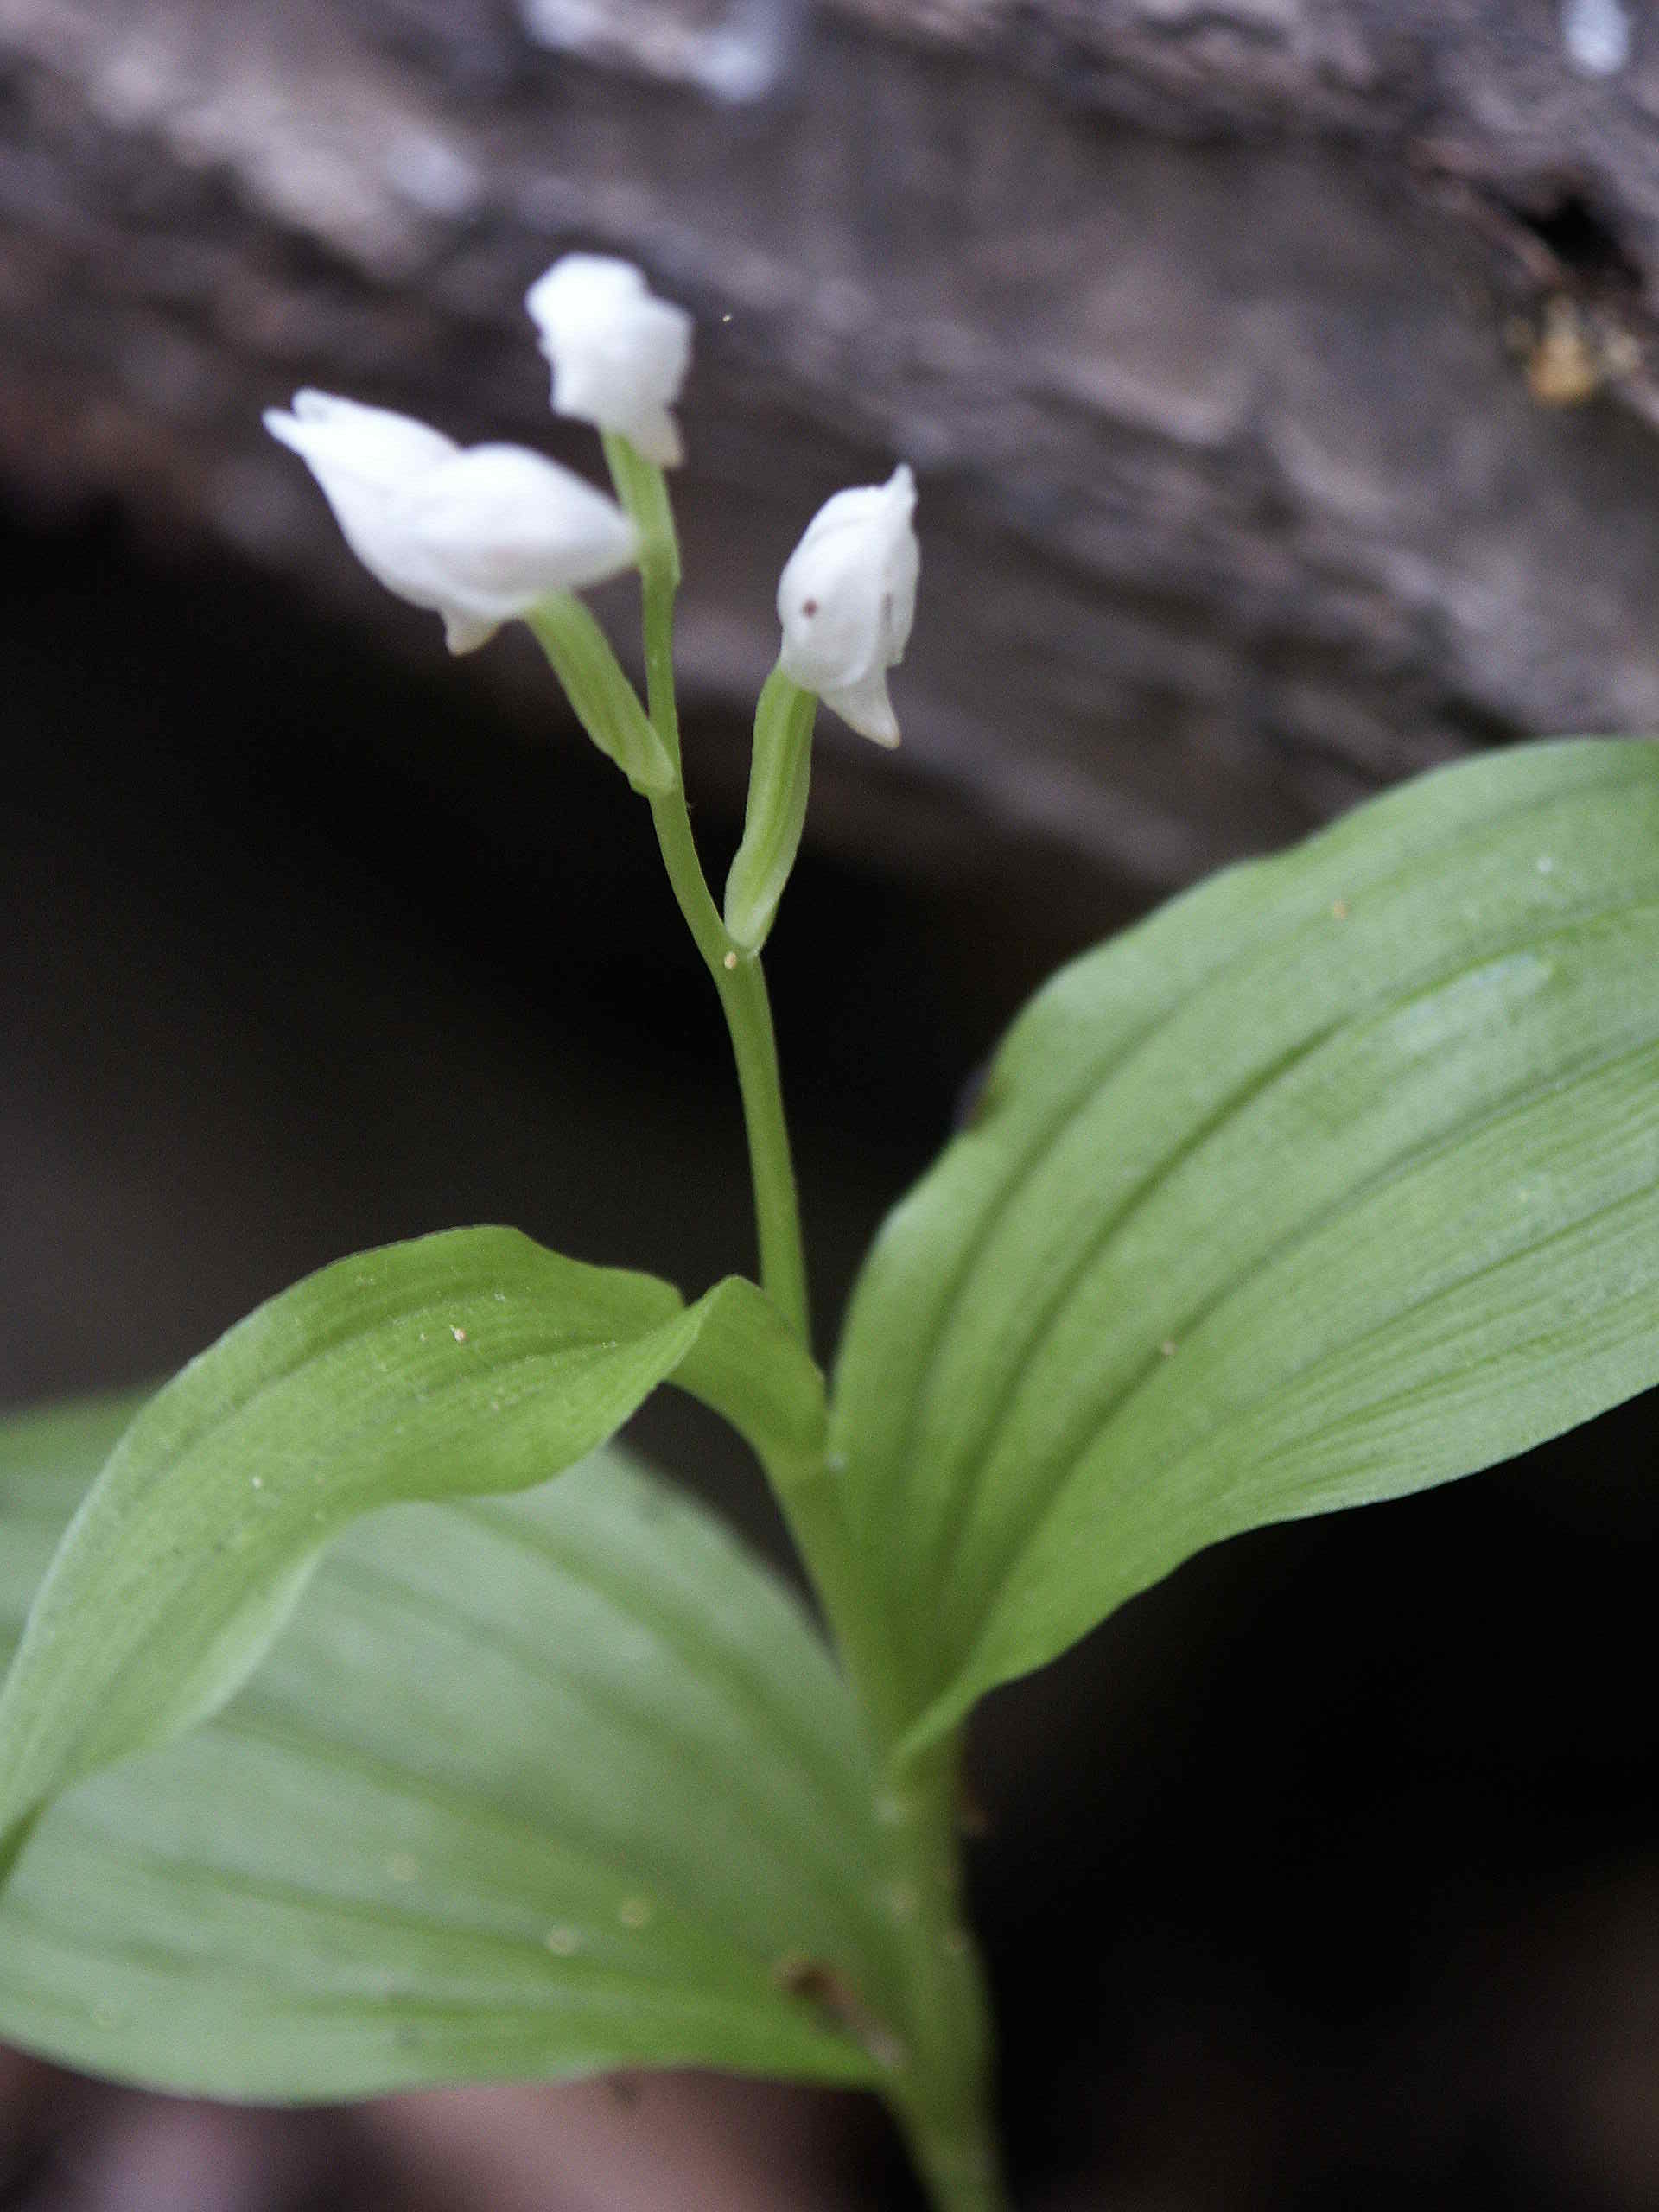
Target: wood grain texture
pixel 1276 373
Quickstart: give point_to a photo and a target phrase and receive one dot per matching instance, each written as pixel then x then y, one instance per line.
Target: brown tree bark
pixel 1278 372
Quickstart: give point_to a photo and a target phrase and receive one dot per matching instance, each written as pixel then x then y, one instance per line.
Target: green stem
pixel 742 986
pixel 939 2089
pixel 943 2098
pixel 940 2094
pixel 738 976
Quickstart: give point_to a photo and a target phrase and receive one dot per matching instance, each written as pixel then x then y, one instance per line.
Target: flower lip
pixel 618 354
pixel 478 535
pixel 847 599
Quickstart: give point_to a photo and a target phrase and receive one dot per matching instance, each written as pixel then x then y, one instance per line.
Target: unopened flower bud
pixel 847 599
pixel 479 534
pixel 618 354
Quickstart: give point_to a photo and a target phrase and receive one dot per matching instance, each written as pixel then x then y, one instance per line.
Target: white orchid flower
pixel 480 535
pixel 847 599
pixel 618 354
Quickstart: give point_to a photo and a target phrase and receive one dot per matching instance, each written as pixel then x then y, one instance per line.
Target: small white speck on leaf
pixel 634 1912
pixel 563 1942
pixel 460 1335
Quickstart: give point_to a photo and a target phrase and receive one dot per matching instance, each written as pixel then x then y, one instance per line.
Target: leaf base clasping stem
pixel 940 2091
pixel 942 2096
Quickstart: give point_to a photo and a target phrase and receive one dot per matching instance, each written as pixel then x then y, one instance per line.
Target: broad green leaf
pixel 525 1788
pixel 468 1365
pixel 1336 1177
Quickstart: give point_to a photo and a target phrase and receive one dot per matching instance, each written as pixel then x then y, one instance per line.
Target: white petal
pixel 829 606
pixel 902 569
pixel 465 633
pixel 618 354
pixel 847 599
pixel 364 459
pixel 866 707
pixel 500 527
pixel 372 443
pixel 477 536
pixel 654 432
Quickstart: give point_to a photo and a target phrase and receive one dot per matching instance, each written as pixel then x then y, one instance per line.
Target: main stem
pixel 740 980
pixel 939 2086
pixel 940 2089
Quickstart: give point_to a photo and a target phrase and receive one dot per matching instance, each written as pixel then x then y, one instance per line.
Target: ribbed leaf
pixel 468 1365
pixel 1336 1177
pixel 524 1788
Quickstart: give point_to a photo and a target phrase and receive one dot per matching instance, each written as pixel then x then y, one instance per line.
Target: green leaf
pixel 1337 1178
pixel 525 1789
pixel 466 1364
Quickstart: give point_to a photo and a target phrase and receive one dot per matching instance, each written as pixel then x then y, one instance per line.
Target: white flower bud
pixel 618 354
pixel 847 599
pixel 479 535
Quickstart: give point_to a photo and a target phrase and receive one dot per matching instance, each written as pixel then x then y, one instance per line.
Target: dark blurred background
pixel 1280 377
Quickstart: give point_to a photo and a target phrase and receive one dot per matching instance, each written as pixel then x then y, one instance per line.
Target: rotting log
pixel 1280 373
